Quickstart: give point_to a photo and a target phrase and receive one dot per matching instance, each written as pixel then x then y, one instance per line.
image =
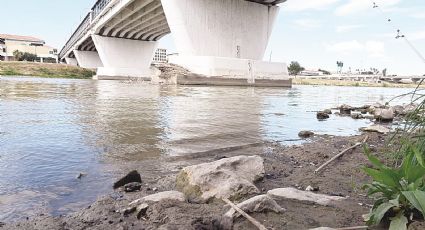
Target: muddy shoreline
pixel 285 166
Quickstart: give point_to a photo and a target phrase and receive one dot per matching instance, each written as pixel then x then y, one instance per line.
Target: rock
pixel 132 176
pixel 328 111
pixel 157 197
pixel 376 128
pixel 261 203
pixel 322 115
pixel 345 109
pixel 305 134
pixel 398 110
pixel 231 178
pixel 311 189
pixel 295 194
pixel 132 187
pixel 409 108
pixel 384 115
pixel 368 116
pixel 357 116
pixel 417 225
pixel 141 210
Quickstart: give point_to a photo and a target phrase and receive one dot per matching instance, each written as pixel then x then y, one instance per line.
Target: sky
pixel 316 33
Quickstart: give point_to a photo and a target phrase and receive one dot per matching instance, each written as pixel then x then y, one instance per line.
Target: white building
pixel 160 56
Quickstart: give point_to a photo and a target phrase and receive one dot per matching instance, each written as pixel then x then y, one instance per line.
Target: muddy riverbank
pixel 285 166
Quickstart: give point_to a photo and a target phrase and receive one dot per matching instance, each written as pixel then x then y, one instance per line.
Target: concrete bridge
pixel 225 38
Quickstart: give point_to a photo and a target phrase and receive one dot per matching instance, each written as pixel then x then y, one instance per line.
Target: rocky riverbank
pixel 194 193
pixel 49 70
pixel 330 82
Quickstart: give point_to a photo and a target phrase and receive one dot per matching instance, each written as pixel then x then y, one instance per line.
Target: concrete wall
pixel 223 28
pixel 124 57
pixel 71 61
pixel 88 59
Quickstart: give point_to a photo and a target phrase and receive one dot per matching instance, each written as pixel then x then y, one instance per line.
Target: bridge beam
pixel 223 37
pixel 123 58
pixel 88 59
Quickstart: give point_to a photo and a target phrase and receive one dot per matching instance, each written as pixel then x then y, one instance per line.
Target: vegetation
pixel 20 56
pixel 44 70
pixel 399 188
pixel 295 68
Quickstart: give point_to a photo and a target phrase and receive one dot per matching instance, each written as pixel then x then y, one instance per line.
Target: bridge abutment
pixel 223 38
pixel 124 58
pixel 88 59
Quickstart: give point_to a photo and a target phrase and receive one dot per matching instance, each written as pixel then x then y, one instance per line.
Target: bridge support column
pixel 71 61
pixel 88 59
pixel 223 37
pixel 124 58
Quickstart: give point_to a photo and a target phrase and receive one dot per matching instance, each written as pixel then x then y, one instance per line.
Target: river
pixel 53 129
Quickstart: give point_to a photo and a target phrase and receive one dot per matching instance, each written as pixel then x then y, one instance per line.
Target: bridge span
pixel 213 37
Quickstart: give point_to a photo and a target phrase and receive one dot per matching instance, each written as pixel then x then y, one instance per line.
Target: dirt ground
pixel 286 166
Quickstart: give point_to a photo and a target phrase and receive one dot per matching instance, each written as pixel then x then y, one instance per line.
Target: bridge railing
pixel 78 33
pixel 98 7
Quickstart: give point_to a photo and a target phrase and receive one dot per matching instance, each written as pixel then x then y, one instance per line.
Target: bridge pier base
pixel 88 59
pixel 71 61
pixel 223 38
pixel 124 58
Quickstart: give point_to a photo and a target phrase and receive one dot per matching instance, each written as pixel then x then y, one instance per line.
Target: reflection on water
pixel 52 129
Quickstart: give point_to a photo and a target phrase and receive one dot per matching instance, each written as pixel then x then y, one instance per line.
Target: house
pixel 10 43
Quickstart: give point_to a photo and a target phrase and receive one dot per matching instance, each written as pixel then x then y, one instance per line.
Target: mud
pixel 286 166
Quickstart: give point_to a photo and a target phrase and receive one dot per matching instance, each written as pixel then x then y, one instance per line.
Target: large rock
pixel 385 115
pixel 376 128
pixel 295 194
pixel 131 177
pixel 261 203
pixel 231 178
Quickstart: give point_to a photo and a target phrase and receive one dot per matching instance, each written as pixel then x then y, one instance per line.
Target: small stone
pixel 261 203
pixel 132 187
pixel 357 116
pixel 328 111
pixel 376 128
pixel 155 189
pixel 384 115
pixel 132 176
pixel 305 134
pixel 312 189
pixel 322 115
pixel 141 210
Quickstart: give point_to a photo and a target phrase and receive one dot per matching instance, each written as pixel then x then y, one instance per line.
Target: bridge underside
pixel 213 37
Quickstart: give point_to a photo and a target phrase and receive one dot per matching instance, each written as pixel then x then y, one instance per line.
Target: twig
pixel 340 154
pixel 252 220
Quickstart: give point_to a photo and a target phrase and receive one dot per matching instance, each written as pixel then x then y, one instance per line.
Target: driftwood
pixel 340 154
pixel 248 217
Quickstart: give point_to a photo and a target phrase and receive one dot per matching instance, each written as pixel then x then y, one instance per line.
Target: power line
pixel 399 33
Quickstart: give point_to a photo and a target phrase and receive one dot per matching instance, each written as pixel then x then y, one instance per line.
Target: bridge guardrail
pixel 98 7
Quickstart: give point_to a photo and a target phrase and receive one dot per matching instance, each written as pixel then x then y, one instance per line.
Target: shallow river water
pixel 53 129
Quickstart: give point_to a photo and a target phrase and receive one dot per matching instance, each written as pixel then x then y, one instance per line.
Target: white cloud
pixel 355 6
pixel 373 49
pixel 300 5
pixel 308 23
pixel 347 28
pixel 418 15
pixel 417 35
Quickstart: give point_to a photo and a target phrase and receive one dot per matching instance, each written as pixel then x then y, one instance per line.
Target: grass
pixel 327 82
pixel 47 70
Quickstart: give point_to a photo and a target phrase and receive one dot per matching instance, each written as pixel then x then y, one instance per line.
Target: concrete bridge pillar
pixel 88 59
pixel 71 61
pixel 223 37
pixel 123 58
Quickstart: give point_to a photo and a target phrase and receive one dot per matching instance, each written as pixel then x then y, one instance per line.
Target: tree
pixel 18 55
pixel 295 68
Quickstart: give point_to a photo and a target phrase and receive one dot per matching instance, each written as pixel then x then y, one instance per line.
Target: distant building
pixel 311 73
pixel 160 56
pixel 11 43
